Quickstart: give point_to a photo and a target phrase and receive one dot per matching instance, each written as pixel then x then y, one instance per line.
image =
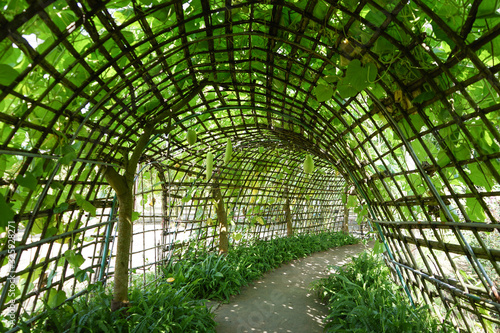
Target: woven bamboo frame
pixel 420 145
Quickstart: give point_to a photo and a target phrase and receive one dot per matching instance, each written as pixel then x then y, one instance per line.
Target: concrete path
pixel 281 301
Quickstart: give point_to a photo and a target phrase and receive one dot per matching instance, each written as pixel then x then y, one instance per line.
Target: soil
pixel 281 301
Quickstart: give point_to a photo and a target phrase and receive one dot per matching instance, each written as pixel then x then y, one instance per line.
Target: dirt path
pixel 281 301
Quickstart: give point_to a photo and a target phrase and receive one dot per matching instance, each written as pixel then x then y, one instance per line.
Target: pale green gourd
pixel 210 165
pixel 229 151
pixel 308 164
pixel 191 137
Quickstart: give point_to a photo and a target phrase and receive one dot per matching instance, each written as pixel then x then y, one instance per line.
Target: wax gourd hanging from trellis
pixel 308 164
pixel 191 137
pixel 229 151
pixel 210 164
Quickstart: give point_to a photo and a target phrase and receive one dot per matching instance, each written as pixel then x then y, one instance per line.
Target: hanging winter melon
pixel 210 165
pixel 308 164
pixel 191 136
pixel 229 151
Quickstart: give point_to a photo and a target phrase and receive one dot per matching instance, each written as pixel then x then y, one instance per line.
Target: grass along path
pixel 280 301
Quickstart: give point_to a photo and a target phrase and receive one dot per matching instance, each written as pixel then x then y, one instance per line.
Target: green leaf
pixel 39 225
pixel 323 92
pixel 419 150
pixel 85 205
pixel 260 220
pixel 356 75
pixel 55 297
pixel 165 15
pixel 7 74
pixel 37 170
pixel 135 216
pixel 405 128
pixel 219 274
pixel 442 158
pixel 68 155
pixel 187 197
pixel 28 180
pixel 345 90
pixel 331 78
pixel 352 201
pixel 474 210
pixel 320 10
pixel 3 164
pixel 351 4
pixel 378 247
pixel 63 19
pixel 382 47
pixel 487 8
pixel 7 212
pixel 74 260
pixel 357 78
pixel 376 17
pixel 425 96
pixel 61 208
pixel 68 158
pixel 440 34
pixel 237 236
pixel 55 185
pixel 480 175
pixel 51 232
pixel 82 274
pixel 461 152
pixel 484 139
pixel 10 55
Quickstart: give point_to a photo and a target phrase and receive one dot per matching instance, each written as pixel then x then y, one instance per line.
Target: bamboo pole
pixel 345 223
pixel 288 215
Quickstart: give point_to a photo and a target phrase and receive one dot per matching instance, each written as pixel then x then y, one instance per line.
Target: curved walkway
pixel 281 301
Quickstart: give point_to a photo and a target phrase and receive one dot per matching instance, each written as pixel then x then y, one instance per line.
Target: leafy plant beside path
pixel 160 308
pixel 218 277
pixel 176 303
pixel 361 297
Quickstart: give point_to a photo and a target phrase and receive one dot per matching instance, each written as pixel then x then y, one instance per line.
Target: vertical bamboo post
pixel 288 215
pixel 165 221
pixel 221 218
pixel 345 224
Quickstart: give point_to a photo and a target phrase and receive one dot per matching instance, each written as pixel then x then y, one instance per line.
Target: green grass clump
pixel 218 277
pixel 361 297
pixel 161 308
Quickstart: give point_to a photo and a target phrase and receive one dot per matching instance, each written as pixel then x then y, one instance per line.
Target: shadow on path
pixel 281 301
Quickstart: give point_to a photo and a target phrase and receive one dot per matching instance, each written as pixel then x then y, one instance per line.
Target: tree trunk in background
pixel 166 211
pixel 288 216
pixel 222 219
pixel 124 188
pixel 120 292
